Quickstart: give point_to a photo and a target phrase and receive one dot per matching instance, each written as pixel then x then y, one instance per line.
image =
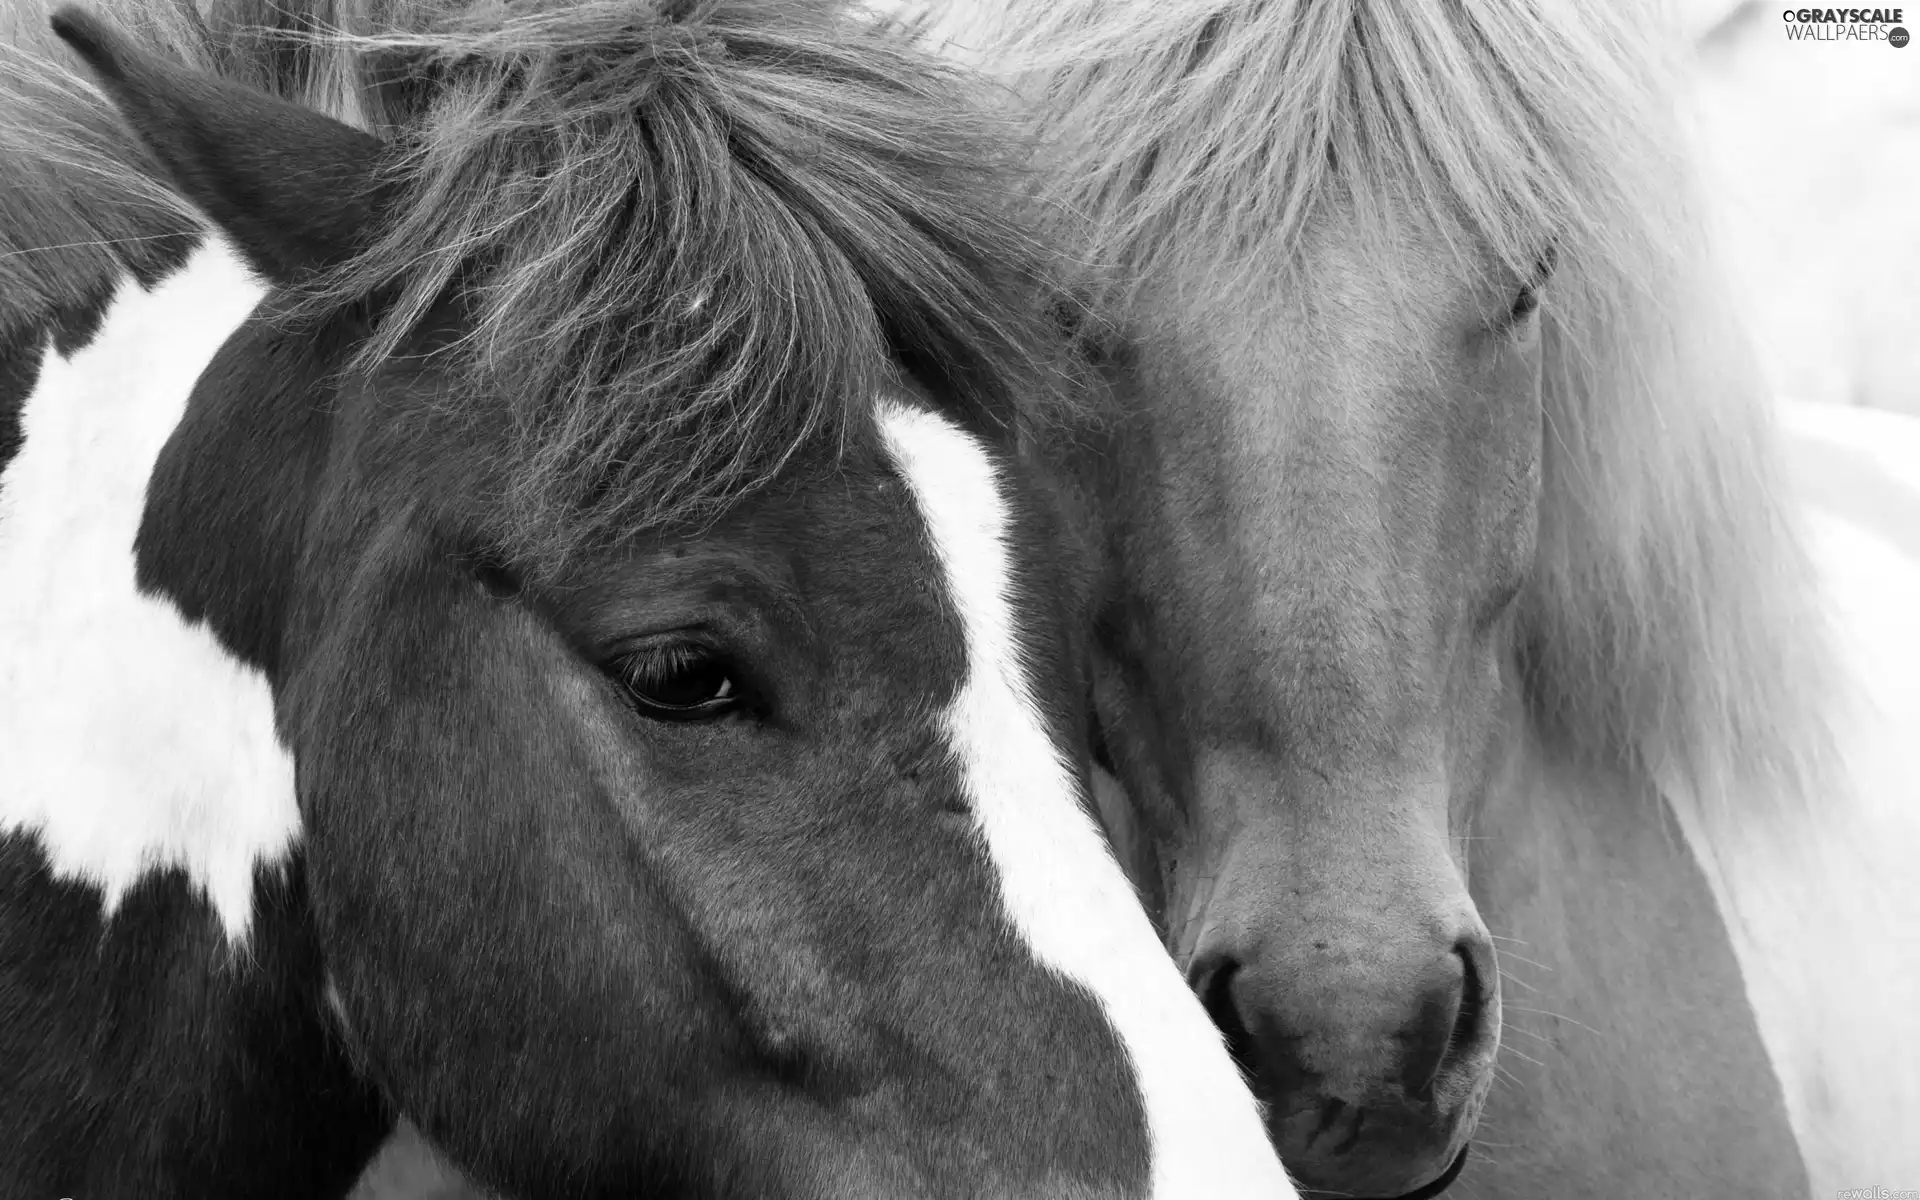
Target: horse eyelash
pixel 657 663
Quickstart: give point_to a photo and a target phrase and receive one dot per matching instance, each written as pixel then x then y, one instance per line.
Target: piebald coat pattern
pixel 134 742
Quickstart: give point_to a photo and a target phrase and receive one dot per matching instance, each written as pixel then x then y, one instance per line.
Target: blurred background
pixel 1812 153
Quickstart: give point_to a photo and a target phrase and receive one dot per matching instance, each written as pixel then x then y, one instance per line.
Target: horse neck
pixel 157 1060
pixel 167 1001
pixel 1616 965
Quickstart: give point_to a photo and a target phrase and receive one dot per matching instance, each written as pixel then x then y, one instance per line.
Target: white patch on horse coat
pixel 131 741
pixel 1061 886
pixel 1825 917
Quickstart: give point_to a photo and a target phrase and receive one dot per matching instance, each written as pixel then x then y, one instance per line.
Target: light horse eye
pixel 1527 302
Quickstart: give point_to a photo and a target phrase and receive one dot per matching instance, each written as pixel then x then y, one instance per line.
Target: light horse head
pixel 1438 456
pixel 620 694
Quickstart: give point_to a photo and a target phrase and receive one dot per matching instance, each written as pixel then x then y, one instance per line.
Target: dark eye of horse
pixel 496 581
pixel 678 682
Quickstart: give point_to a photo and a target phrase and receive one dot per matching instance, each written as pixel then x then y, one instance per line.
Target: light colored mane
pixel 1671 625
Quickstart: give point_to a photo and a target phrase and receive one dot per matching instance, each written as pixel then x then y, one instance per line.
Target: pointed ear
pixel 296 190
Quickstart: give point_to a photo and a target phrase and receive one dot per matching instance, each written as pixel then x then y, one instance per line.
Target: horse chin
pixel 1445 1180
pixel 1395 1151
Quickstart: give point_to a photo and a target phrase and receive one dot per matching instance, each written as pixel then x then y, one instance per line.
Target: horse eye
pixel 678 682
pixel 1525 304
pixel 1528 301
pixel 496 581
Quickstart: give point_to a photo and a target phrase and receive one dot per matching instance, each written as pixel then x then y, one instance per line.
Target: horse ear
pixel 295 189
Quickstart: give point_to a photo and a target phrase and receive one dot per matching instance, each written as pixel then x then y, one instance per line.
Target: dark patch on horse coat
pixel 216 1072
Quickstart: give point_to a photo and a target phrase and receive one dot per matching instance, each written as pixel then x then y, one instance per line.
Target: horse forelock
pixel 1188 145
pixel 686 245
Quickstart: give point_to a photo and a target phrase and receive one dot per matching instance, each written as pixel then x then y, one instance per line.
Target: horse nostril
pixel 1470 1026
pixel 1451 1024
pixel 1429 1038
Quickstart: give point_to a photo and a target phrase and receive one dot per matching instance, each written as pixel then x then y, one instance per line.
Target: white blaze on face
pixel 1062 888
pixel 130 741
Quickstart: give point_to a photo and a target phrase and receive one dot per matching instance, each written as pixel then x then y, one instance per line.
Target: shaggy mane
pixel 683 242
pixel 689 241
pixel 1671 627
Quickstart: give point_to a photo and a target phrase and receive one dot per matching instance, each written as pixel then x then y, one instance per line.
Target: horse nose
pixel 1371 1071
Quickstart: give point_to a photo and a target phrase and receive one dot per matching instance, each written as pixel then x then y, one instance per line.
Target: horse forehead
pixel 1325 496
pixel 1341 404
pixel 134 741
pixel 1278 476
pixel 1335 357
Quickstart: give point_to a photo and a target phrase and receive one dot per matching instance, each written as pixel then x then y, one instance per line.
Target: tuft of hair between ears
pixel 686 242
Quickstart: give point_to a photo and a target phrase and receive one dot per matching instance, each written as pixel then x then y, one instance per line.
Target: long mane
pixel 1671 627
pixel 692 238
pixel 686 241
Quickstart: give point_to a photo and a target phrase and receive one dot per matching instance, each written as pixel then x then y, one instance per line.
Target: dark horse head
pixel 544 626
